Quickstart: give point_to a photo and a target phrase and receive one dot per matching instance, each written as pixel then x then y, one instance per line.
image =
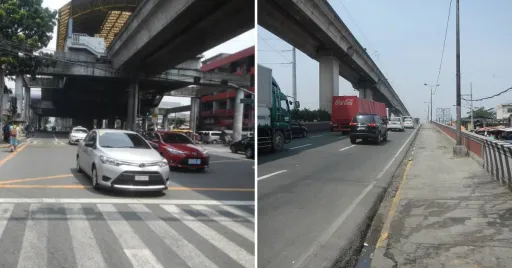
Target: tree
pixel 178 122
pixel 25 28
pixel 482 112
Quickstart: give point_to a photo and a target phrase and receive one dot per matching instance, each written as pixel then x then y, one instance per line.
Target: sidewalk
pixel 449 212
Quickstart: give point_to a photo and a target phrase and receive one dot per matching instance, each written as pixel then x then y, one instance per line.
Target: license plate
pixel 194 161
pixel 141 178
pixel 361 128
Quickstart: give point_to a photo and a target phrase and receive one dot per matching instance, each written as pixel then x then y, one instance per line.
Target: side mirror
pixel 297 104
pixel 89 144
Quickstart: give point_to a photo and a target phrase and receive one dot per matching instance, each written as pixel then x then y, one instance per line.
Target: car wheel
pixel 377 141
pixel 232 148
pixel 249 153
pixel 304 134
pixel 78 168
pixel 353 140
pixel 94 178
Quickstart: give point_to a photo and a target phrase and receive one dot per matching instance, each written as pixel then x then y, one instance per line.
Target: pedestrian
pixel 6 129
pixel 14 131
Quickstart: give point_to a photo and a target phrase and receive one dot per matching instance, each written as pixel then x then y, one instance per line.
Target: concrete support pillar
pixel 165 121
pixel 111 122
pixel 194 113
pixel 238 115
pixel 132 109
pixel 229 104
pixel 18 92
pixel 215 106
pixel 329 81
pixel 365 93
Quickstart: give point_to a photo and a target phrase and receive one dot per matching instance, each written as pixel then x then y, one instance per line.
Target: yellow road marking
pixel 11 155
pixel 392 210
pixel 37 179
pixel 43 186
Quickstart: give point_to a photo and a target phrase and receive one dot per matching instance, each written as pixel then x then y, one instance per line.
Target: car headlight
pixel 205 153
pixel 109 161
pixel 163 163
pixel 174 151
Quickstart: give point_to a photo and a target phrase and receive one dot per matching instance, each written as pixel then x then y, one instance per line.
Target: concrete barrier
pixel 494 156
pixel 316 126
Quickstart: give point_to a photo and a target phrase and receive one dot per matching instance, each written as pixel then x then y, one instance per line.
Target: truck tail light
pixel 372 125
pixel 353 124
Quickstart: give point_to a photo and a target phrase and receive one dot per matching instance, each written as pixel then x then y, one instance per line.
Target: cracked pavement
pixel 451 212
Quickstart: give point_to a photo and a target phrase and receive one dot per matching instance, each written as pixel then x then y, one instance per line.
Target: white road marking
pixel 239 213
pixel 173 239
pixel 268 175
pixel 335 226
pixel 395 156
pixel 300 146
pixel 123 201
pixel 231 224
pixel 56 140
pixel 339 221
pixel 131 243
pixel 240 255
pixel 343 149
pixel 316 136
pixel 86 249
pixel 33 251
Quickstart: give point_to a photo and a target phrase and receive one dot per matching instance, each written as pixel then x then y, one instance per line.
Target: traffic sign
pixel 246 101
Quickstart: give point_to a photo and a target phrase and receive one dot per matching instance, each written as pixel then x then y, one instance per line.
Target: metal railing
pixel 495 156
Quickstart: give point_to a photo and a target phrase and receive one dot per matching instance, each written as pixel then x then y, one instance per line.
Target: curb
pixel 350 254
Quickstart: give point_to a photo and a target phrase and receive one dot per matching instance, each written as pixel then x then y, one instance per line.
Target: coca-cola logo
pixel 347 102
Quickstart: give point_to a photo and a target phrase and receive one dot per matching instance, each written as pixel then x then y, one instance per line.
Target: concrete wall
pixel 494 156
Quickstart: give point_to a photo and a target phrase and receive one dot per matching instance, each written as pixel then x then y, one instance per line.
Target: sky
pixel 405 39
pixel 236 44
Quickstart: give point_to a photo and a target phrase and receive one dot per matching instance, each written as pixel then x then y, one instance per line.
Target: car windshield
pixel 122 140
pixel 79 131
pixel 176 138
pixel 363 119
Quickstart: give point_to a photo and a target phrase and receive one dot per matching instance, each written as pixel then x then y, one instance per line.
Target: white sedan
pixel 408 124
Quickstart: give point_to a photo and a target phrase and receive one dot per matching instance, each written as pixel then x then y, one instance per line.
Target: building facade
pixel 503 111
pixel 217 110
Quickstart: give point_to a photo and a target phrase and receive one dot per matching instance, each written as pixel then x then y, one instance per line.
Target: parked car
pixel 396 123
pixel 299 130
pixel 179 150
pixel 77 134
pixel 368 127
pixel 123 160
pixel 245 145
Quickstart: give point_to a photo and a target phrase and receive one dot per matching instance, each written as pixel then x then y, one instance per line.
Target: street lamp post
pixel 458 150
pixel 431 86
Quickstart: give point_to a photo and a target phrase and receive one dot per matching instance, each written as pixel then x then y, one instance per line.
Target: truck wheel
pixel 278 142
pixel 353 140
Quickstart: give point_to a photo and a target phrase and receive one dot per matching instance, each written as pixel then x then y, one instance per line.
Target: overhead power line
pixel 271 47
pixel 444 45
pixel 490 97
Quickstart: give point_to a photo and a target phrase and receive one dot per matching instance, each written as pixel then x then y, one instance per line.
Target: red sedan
pixel 179 150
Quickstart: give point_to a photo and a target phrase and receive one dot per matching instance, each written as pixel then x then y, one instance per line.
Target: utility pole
pixel 431 93
pixel 458 150
pixel 294 75
pixel 471 104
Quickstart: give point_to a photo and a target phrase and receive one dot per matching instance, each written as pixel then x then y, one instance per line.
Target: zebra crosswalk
pixel 46 143
pixel 125 234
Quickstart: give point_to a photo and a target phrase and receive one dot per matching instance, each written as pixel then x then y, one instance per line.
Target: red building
pixel 216 110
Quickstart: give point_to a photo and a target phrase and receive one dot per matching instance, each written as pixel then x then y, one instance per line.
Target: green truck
pixel 274 117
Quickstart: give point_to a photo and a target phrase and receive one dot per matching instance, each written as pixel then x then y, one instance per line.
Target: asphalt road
pixel 51 216
pixel 314 197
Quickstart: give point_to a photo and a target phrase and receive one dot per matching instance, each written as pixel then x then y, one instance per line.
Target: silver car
pixel 77 134
pixel 121 159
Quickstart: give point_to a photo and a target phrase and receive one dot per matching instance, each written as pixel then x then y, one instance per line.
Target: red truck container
pixel 345 108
